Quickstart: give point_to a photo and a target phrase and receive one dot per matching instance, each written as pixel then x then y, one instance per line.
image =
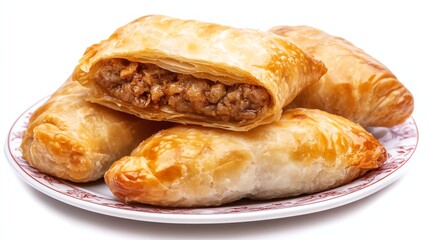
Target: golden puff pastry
pixel 356 86
pixel 186 71
pixel 70 138
pixel 306 151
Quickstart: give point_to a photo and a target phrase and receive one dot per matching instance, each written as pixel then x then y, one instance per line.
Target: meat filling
pixel 146 85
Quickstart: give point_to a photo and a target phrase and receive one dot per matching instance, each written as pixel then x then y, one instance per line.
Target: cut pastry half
pixel 187 71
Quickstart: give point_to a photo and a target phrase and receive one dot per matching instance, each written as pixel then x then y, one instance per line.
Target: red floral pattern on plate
pixel 400 142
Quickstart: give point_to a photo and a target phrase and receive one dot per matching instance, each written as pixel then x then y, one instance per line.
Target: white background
pixel 42 41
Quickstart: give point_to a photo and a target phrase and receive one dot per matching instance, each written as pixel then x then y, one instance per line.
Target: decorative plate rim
pixel 401 141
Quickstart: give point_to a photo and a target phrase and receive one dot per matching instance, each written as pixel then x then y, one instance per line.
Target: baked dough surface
pixel 356 86
pixel 73 139
pixel 306 151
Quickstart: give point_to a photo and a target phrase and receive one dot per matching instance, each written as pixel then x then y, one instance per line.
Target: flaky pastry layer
pixel 306 151
pixel 209 52
pixel 356 86
pixel 73 139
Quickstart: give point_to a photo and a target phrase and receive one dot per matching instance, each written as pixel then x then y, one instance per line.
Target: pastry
pixel 187 71
pixel 70 138
pixel 356 86
pixel 306 151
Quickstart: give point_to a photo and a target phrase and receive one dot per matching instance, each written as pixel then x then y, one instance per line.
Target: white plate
pixel 400 141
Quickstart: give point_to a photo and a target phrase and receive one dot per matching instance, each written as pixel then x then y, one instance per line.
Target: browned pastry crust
pixel 356 86
pixel 187 71
pixel 306 151
pixel 70 138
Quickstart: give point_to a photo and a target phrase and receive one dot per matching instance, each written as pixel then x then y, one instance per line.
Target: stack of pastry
pixel 242 112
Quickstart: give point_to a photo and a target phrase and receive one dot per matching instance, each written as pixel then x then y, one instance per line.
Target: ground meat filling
pixel 146 85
